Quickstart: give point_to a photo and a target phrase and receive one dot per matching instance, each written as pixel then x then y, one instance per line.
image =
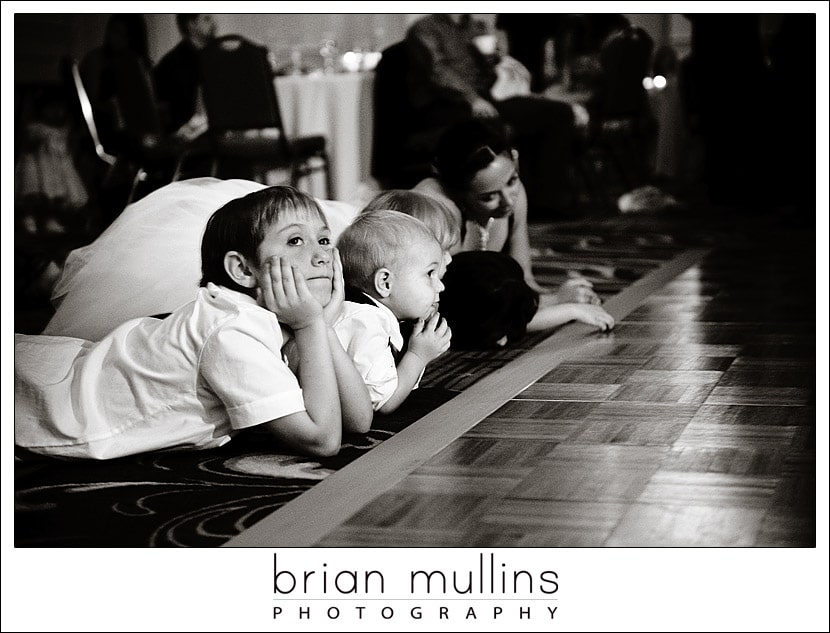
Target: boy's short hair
pixel 433 212
pixel 241 225
pixel 376 239
pixel 468 147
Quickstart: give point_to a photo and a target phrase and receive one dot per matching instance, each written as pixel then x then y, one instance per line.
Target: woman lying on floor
pixel 486 298
pixel 477 178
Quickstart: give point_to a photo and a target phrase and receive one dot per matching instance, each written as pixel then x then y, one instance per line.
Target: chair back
pixel 86 110
pixel 238 88
pixel 244 119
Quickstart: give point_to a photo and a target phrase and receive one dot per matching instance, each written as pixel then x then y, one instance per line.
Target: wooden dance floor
pixel 692 424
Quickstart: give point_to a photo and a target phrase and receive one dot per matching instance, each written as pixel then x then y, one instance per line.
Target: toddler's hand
pixel 332 310
pixel 284 292
pixel 592 315
pixel 430 338
pixel 577 290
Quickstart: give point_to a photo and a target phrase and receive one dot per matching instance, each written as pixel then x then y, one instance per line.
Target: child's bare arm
pixel 429 340
pixel 317 430
pixel 355 403
pixel 551 315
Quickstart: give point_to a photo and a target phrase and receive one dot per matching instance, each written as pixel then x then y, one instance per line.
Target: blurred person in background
pixel 178 75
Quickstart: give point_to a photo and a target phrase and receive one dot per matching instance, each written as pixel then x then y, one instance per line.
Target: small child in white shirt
pixel 215 365
pixel 392 266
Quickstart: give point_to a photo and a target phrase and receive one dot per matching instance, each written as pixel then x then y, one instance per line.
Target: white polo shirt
pixel 192 380
pixel 371 336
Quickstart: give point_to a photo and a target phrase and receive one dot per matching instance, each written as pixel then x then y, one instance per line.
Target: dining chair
pixel 139 147
pixel 244 121
pixel 89 117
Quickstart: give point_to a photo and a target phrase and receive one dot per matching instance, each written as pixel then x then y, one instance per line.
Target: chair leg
pixel 327 171
pixel 299 171
pixel 295 175
pixel 177 172
pixel 140 176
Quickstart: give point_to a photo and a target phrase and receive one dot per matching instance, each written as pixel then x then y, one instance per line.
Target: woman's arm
pixel 550 315
pixel 578 290
pixel 519 242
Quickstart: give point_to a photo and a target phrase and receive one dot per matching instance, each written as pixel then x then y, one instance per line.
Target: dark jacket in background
pixel 177 77
pixel 445 64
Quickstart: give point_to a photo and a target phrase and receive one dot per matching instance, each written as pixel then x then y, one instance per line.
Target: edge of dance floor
pixel 305 520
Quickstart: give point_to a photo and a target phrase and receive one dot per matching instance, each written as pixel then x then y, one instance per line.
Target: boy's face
pixel 416 281
pixel 494 190
pixel 304 240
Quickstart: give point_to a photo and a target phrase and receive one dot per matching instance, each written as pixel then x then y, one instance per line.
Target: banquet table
pixel 340 107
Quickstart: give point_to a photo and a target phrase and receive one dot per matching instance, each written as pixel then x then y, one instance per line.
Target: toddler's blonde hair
pixel 433 212
pixel 378 239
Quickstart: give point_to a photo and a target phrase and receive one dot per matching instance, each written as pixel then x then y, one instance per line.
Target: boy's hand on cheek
pixel 334 307
pixel 430 338
pixel 285 293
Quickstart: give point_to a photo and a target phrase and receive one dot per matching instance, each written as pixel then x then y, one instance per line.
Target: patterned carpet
pixel 202 499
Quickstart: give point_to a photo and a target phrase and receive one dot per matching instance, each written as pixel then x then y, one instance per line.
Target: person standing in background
pixel 451 79
pixel 529 36
pixel 178 76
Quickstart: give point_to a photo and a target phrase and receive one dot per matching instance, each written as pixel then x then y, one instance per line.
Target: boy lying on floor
pixel 215 366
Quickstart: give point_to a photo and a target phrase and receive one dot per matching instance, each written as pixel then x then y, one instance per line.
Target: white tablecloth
pixel 340 107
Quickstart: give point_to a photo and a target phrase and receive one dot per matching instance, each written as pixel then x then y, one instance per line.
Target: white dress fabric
pixel 189 381
pixel 148 261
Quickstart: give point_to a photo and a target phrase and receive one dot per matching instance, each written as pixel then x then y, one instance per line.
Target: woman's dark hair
pixel 486 299
pixel 241 225
pixel 468 147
